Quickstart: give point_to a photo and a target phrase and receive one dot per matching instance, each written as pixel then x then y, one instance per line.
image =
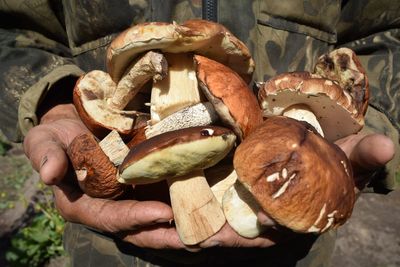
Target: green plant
pixel 41 240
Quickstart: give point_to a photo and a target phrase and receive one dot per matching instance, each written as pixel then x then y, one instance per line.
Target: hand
pixel 142 223
pixel 367 153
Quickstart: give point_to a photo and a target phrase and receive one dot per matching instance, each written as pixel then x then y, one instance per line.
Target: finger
pixel 108 215
pixel 226 237
pixel 157 237
pixel 371 152
pixel 46 154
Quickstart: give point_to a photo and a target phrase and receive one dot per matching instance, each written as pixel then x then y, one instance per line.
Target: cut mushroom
pixel 96 171
pixel 100 102
pixel 300 180
pixel 180 156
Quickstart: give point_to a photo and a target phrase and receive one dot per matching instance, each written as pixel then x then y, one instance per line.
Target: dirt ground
pixel 371 238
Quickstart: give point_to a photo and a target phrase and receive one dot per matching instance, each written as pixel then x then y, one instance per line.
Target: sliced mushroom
pixel 100 101
pixel 300 180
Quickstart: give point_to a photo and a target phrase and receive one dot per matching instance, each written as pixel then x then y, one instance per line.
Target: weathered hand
pixel 143 223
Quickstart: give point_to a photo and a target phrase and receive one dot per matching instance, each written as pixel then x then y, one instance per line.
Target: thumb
pixel 371 152
pixel 45 147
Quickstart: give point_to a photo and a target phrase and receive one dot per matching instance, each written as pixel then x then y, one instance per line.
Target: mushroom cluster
pixel 173 102
pixel 175 106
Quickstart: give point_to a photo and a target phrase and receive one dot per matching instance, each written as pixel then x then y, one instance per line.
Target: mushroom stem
pixel 303 112
pixel 151 66
pixel 241 209
pixel 114 147
pixel 177 90
pixel 197 213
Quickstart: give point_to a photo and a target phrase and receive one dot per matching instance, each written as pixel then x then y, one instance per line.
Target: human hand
pixel 367 153
pixel 143 223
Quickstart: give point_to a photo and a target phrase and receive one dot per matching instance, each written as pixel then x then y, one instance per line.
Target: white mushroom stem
pixel 114 147
pixel 179 89
pixel 197 213
pixel 303 113
pixel 241 209
pixel 152 65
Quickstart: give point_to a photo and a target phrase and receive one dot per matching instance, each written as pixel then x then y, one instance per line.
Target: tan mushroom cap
pixel 232 99
pixel 200 36
pixel 334 107
pixel 97 175
pixel 342 65
pixel 301 181
pixel 176 153
pixel 90 99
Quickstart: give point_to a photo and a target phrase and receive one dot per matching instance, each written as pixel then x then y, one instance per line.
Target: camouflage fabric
pixel 43 43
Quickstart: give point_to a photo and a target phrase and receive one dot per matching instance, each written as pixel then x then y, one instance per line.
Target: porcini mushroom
pixel 95 164
pixel 179 157
pixel 232 99
pixel 299 179
pixel 335 104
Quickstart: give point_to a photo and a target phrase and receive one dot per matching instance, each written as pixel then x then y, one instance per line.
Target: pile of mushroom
pixel 175 105
pixel 293 172
pixel 177 95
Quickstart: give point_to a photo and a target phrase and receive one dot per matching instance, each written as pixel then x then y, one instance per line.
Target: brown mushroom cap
pixel 90 99
pixel 301 181
pixel 233 100
pixel 97 176
pixel 200 36
pixel 333 106
pixel 342 65
pixel 176 153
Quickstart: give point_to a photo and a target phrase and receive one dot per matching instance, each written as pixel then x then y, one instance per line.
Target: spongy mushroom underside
pixel 335 120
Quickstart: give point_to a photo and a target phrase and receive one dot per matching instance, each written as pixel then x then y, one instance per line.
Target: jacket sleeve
pixel 372 30
pixel 34 58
